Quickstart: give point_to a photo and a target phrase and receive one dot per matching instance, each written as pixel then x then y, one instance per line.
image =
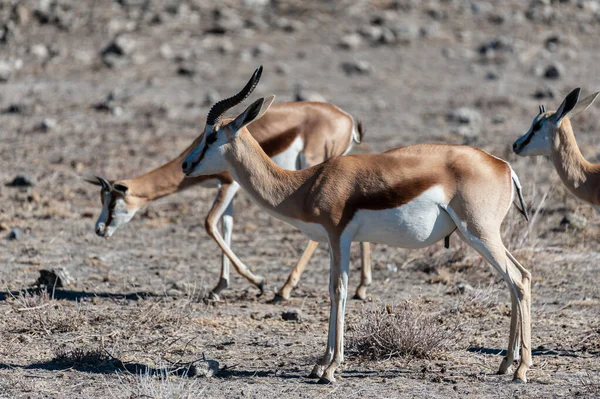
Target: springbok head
pixel 116 209
pixel 208 156
pixel 540 136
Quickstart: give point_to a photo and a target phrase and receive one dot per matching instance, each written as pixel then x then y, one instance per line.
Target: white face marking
pixel 111 219
pixel 417 224
pixel 537 139
pixel 289 159
pixel 207 160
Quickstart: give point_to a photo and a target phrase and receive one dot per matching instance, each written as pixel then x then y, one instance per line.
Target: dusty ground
pixel 135 305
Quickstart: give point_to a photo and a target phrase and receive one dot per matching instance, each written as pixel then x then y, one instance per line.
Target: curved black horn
pixel 217 110
pixel 541 109
pixel 105 183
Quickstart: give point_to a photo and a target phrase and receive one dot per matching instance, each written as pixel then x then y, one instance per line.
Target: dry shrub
pixel 477 301
pixel 409 330
pixel 86 356
pixel 42 314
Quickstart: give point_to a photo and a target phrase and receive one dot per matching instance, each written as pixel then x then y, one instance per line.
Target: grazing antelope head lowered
pixel 207 157
pixel 116 209
pixel 542 134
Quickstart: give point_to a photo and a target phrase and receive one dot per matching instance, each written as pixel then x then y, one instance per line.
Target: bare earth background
pixel 451 71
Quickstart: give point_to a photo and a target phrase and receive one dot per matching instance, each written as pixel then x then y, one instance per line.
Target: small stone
pixel 498 119
pixel 543 93
pixel 204 369
pixel 464 115
pixel 498 45
pixel 226 20
pixel 4 227
pixel 405 34
pixel 554 71
pixel 574 221
pixel 356 67
pixel 14 234
pixel 47 125
pixel 392 267
pixel 58 278
pixel 461 287
pixel 6 71
pixel 21 181
pixel 282 68
pixel 350 42
pixel 212 97
pixel 225 47
pixel 121 45
pixel 40 51
pixel 291 315
pixel 307 95
pixel 186 71
pixel 262 49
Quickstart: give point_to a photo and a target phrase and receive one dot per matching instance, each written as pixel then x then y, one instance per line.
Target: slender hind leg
pixel 292 280
pixel 512 353
pixel 365 271
pixel 489 245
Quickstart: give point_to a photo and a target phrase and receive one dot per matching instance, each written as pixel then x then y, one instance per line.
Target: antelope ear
pixel 121 188
pixel 254 111
pixel 92 179
pixel 584 104
pixel 567 105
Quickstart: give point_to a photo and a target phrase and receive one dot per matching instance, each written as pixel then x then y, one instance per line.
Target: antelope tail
pixel 517 183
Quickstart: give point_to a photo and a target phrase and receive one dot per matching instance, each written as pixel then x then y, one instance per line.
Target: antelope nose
pixel 184 166
pixel 515 146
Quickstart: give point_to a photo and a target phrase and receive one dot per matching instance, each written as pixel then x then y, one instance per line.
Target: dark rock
pixel 356 67
pixel 464 115
pixel 543 93
pixel 21 181
pixel 554 71
pixel 186 71
pixel 226 20
pixel 47 124
pixel 494 46
pixel 121 46
pixel 58 278
pixel 574 221
pixel 291 315
pixel 14 234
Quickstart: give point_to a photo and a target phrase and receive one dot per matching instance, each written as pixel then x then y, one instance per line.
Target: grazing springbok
pixel 409 197
pixel 295 135
pixel 551 135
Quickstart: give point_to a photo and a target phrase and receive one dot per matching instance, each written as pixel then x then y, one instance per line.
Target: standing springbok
pixel 295 135
pixel 551 135
pixel 410 197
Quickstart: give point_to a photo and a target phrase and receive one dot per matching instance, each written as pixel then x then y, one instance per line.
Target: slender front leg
pixel 224 197
pixel 365 271
pixel 227 227
pixel 340 250
pixel 294 277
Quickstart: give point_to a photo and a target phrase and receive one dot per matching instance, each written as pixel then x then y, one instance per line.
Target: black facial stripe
pixel 211 138
pixel 527 139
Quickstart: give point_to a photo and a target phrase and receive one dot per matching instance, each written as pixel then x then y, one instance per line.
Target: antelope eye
pixel 538 125
pixel 211 138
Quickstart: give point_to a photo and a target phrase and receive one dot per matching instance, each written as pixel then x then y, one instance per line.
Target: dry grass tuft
pixel 409 330
pixel 590 383
pixel 154 385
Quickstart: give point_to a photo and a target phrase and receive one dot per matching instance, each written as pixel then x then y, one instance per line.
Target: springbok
pixel 551 135
pixel 409 197
pixel 295 135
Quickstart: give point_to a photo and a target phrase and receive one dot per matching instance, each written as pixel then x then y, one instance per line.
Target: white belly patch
pixel 417 224
pixel 288 159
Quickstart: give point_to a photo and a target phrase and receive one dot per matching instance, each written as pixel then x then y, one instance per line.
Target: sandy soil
pixel 135 307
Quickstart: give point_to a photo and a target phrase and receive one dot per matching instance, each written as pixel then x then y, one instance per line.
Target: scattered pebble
pixel 356 67
pixel 554 71
pixel 14 234
pixel 47 124
pixel 574 221
pixel 21 181
pixel 6 71
pixel 204 369
pixel 350 42
pixel 464 115
pixel 291 315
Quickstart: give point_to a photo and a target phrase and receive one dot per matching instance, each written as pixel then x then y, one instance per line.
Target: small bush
pixel 409 331
pixel 87 356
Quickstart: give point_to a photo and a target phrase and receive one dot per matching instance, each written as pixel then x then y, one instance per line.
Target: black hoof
pixel 324 381
pixel 314 376
pixel 278 299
